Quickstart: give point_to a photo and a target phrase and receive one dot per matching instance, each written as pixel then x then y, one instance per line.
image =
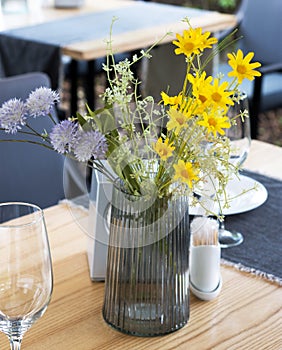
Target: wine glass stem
pixel 15 344
pixel 221 225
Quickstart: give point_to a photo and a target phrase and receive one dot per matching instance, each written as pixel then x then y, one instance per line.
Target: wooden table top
pixel 128 40
pixel 246 315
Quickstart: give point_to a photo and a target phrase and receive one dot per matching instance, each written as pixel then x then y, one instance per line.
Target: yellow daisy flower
pixel 215 123
pixel 242 68
pixel 171 100
pixel 190 43
pixel 177 120
pixel 207 42
pixel 219 96
pixel 163 149
pixel 201 87
pixel 193 42
pixel 185 172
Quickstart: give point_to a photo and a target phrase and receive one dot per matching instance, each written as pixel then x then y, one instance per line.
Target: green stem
pixel 28 141
pixel 35 133
pixel 51 117
pixel 189 64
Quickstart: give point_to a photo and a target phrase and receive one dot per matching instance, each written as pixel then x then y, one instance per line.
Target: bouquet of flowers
pixel 169 146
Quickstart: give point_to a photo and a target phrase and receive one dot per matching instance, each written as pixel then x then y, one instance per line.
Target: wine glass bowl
pixel 26 279
pixel 240 141
pixel 239 133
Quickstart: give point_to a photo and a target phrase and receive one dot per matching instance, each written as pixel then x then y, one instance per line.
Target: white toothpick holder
pixel 205 277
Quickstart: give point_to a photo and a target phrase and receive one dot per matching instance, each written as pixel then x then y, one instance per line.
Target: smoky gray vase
pixel 147 279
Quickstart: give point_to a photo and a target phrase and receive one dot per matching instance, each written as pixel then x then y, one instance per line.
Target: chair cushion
pixel 29 172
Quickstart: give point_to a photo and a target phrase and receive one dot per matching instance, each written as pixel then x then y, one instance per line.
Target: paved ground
pixel 271 127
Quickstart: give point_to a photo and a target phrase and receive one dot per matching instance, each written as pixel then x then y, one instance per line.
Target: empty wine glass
pixel 240 142
pixel 26 279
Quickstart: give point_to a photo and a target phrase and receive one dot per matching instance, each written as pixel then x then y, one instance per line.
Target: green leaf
pixel 81 120
pixel 103 118
pixel 108 122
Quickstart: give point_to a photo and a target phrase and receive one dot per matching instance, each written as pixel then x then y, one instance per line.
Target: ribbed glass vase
pixel 147 280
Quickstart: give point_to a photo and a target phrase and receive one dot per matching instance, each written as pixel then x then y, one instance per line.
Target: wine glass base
pixel 229 239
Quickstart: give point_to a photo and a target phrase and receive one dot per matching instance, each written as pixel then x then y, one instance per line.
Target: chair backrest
pixel 29 172
pixel 261 29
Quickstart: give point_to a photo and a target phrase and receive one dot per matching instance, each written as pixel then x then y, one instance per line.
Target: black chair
pixel 259 24
pixel 28 172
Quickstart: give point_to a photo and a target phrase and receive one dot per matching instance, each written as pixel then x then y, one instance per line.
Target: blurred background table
pixel 81 33
pixel 246 315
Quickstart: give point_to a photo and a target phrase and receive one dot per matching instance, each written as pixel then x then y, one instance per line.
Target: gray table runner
pixel 37 48
pixel 261 251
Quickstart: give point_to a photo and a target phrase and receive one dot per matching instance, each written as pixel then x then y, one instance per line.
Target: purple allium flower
pixel 41 101
pixel 12 115
pixel 64 136
pixel 90 144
